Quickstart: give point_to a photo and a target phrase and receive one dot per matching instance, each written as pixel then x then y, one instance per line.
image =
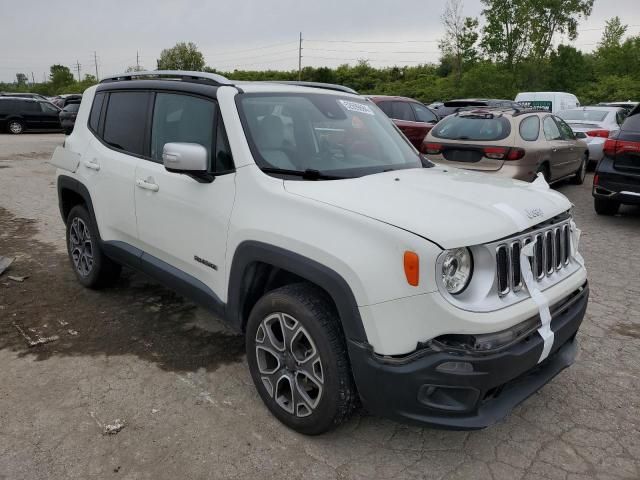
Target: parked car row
pixel 20 112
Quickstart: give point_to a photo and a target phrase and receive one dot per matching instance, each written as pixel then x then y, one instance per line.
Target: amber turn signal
pixel 412 268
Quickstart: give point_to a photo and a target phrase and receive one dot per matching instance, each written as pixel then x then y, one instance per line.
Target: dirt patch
pixel 135 317
pixel 627 329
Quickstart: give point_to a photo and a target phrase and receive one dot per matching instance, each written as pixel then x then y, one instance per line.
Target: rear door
pixel 30 113
pixel 119 123
pixel 405 118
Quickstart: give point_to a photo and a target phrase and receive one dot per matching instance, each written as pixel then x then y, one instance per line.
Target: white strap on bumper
pixel 538 297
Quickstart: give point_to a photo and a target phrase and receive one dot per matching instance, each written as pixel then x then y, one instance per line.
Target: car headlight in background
pixel 457 269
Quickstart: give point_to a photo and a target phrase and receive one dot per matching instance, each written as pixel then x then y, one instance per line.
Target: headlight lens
pixel 457 269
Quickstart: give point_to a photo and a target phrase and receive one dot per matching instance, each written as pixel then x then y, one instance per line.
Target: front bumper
pixel 417 389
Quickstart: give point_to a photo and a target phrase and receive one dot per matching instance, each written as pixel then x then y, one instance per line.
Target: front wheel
pixel 298 360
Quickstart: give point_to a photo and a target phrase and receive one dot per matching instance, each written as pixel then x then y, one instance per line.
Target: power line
pixel 369 51
pixel 233 52
pixel 367 42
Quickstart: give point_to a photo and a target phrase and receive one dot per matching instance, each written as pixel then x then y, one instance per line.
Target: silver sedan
pixel 594 125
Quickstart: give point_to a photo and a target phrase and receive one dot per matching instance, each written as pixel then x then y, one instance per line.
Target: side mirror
pixel 185 157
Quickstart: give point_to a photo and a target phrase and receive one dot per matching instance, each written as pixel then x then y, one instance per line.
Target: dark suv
pixel 412 117
pixel 20 114
pixel 617 177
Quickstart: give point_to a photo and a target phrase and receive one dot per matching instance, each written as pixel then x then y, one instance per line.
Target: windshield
pixel 331 135
pixel 581 114
pixel 480 126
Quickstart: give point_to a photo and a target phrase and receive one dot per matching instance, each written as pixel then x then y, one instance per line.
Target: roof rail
pixel 184 75
pixel 326 86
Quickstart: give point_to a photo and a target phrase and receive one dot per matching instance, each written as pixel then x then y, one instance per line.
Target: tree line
pixel 514 51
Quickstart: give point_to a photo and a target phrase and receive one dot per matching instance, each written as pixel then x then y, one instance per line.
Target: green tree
pixel 568 69
pixel 21 79
pixel 183 56
pixel 459 41
pixel 60 76
pixel 517 29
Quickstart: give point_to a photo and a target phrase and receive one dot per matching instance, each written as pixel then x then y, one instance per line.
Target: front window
pixel 330 135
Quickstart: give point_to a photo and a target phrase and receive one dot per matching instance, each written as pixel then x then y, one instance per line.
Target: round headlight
pixel 457 269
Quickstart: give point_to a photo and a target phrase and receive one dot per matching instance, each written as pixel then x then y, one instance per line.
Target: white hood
pixel 449 206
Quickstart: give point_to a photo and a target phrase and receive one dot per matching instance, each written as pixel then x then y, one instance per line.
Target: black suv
pixel 617 177
pixel 20 114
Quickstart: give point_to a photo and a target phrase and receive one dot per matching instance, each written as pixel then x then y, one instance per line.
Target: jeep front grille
pixel 550 255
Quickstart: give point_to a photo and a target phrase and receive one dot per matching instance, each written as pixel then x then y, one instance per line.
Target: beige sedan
pixel 509 142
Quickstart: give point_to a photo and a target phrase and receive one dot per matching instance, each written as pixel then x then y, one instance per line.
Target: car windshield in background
pixel 585 115
pixel 473 127
pixel 332 135
pixel 72 107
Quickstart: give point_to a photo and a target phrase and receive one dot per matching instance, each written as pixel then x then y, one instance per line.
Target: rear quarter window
pixel 632 123
pixel 473 127
pixel 530 128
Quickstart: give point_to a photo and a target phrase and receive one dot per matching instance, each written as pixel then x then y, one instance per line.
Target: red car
pixel 412 117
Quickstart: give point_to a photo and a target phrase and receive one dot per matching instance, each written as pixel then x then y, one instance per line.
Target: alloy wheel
pixel 15 127
pixel 289 364
pixel 81 246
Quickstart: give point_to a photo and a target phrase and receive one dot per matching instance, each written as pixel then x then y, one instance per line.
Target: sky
pixel 243 34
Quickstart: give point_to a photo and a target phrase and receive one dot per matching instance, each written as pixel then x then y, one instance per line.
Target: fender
pixel 249 252
pixel 66 182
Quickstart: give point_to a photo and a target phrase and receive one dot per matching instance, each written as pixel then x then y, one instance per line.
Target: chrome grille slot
pixel 502 258
pixel 551 253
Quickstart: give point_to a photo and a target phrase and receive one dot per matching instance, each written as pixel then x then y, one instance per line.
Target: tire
pixel 581 173
pixel 313 355
pixel 15 126
pixel 604 206
pixel 92 268
pixel 544 169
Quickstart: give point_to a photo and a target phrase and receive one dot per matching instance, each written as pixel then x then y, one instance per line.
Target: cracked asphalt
pixel 178 378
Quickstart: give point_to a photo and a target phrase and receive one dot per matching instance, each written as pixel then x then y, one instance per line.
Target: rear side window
pixel 551 130
pixel 181 118
pixel 403 111
pixel 530 128
pixel 29 107
pixel 96 110
pixel 423 114
pixel 387 108
pixel 125 123
pixel 472 127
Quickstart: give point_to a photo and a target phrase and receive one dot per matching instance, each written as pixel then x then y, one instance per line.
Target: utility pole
pixel 95 61
pixel 137 61
pixel 33 80
pixel 300 58
pixel 78 68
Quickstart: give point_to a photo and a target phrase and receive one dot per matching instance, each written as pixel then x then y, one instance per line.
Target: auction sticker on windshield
pixel 356 107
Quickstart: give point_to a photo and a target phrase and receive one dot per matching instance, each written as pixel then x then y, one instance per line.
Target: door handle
pixel 147 185
pixel 92 165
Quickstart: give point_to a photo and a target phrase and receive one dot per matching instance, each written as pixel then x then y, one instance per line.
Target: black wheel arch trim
pixel 66 182
pixel 249 252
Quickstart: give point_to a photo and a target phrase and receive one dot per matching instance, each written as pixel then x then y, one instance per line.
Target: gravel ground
pixel 141 356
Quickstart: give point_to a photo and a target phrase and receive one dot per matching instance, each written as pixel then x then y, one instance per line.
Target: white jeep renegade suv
pixel 355 268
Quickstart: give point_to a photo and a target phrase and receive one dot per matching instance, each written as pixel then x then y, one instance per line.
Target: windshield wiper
pixel 308 174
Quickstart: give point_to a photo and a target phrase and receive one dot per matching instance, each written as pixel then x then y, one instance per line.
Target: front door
pixel 558 148
pixel 50 116
pixel 183 221
pixel 573 152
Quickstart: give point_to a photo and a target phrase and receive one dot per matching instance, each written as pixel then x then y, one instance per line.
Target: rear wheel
pixel 15 126
pixel 544 170
pixel 92 268
pixel 604 206
pixel 297 357
pixel 581 173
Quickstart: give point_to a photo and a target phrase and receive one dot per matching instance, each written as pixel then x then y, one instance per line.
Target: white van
pixel 551 101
